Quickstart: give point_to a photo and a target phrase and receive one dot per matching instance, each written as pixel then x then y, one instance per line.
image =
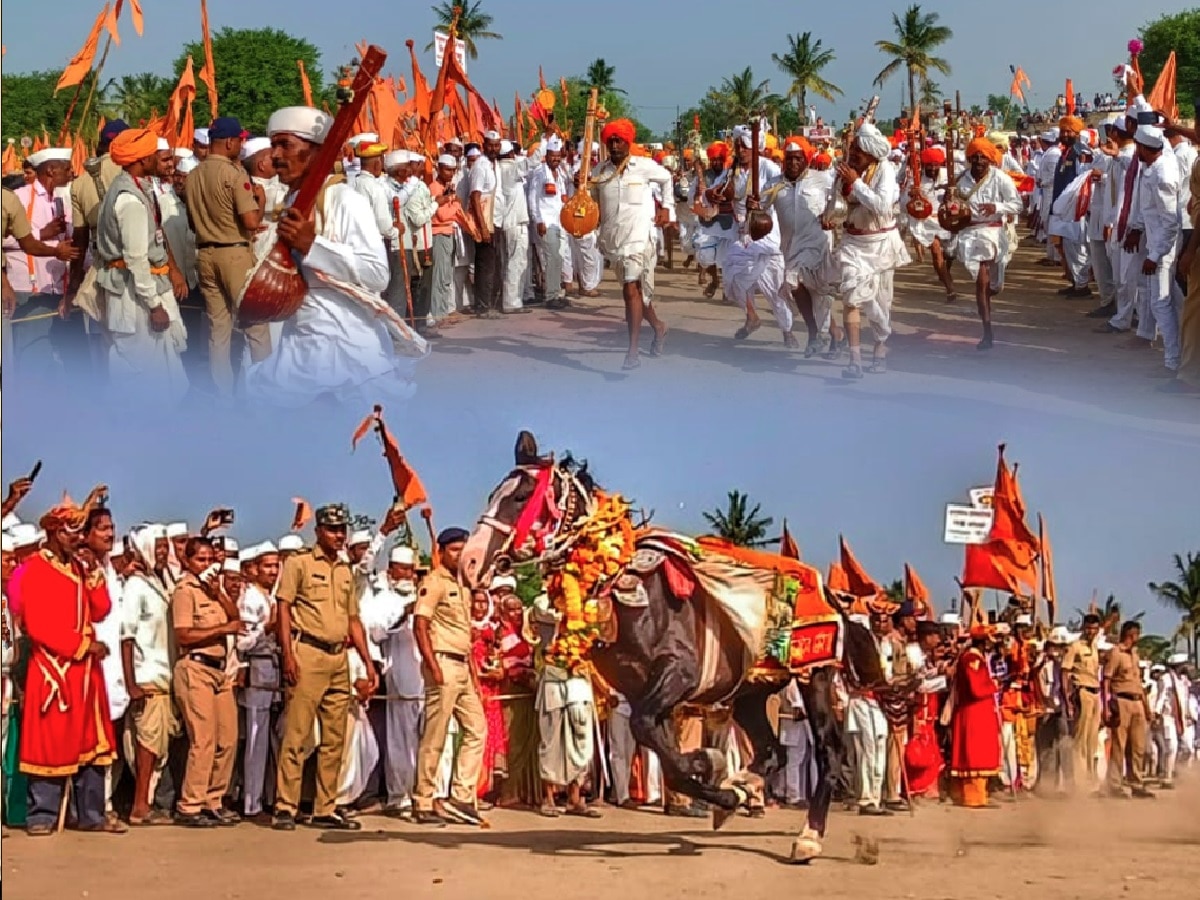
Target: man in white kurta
pixel 258 647
pixel 142 318
pixel 549 186
pixel 627 221
pixel 991 196
pixel 344 343
pixel 927 232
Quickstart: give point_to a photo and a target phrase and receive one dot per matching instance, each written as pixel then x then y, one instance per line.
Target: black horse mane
pixel 579 469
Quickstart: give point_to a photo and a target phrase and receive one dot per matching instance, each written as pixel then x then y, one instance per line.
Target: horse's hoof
pixel 805 850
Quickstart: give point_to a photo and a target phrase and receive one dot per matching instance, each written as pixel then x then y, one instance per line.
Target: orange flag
pixel 914 589
pixel 787 544
pixel 135 12
pixel 562 85
pixel 836 580
pixel 303 513
pixel 1007 557
pixel 10 163
pixel 1070 97
pixel 541 79
pixel 1162 98
pixel 181 100
pixel 79 155
pixel 445 90
pixel 304 85
pixel 408 486
pixel 81 63
pixel 208 72
pixel 420 92
pixel 861 584
pixel 1049 591
pixel 110 23
pixel 1019 83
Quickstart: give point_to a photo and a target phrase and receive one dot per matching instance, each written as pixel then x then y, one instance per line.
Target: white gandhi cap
pixel 291 543
pixel 50 154
pixel 255 145
pixel 403 556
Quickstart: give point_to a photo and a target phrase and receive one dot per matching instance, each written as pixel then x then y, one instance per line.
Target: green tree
pixel 473 24
pixel 137 98
pixel 918 35
pixel 743 96
pixel 895 591
pixel 256 74
pixel 603 76
pixel 1006 108
pixel 741 524
pixel 30 103
pixel 1112 617
pixel 571 117
pixel 1154 648
pixel 1183 596
pixel 931 95
pixel 1179 32
pixel 803 62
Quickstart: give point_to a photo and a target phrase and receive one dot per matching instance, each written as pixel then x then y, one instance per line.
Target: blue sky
pixel 1120 494
pixel 666 54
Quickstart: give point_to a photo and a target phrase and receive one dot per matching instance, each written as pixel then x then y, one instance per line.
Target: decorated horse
pixel 668 620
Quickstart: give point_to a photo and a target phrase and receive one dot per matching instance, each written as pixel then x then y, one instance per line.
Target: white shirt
pixel 997 189
pixel 547 191
pixel 145 620
pixel 1186 155
pixel 108 631
pixel 378 195
pixel 798 206
pixel 627 209
pixel 768 171
pixel 513 174
pixel 1156 209
pixel 483 179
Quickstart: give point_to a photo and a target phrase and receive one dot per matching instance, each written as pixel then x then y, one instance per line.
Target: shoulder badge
pixel 423 592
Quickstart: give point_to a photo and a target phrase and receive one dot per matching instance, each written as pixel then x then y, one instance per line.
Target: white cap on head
pixel 1177 659
pixel 177 529
pixel 200 136
pixel 362 536
pixel 12 520
pixel 395 158
pixel 255 145
pixel 447 160
pixel 305 122
pixel 1050 136
pixel 474 152
pixel 1149 136
pixel 163 145
pixel 1104 643
pixel 7 544
pixel 506 147
pixel 232 564
pixel 367 137
pixel 950 619
pixel 263 549
pixel 403 556
pixel 503 581
pixel 1059 636
pixel 452 142
pixel 415 156
pixel 491 135
pixel 229 545
pixel 186 164
pixel 291 543
pixel 249 554
pixel 554 144
pixel 50 154
pixel 183 153
pixel 1023 619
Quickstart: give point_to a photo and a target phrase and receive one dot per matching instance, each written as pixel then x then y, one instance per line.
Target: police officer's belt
pixel 214 245
pixel 457 657
pixel 333 648
pixel 211 662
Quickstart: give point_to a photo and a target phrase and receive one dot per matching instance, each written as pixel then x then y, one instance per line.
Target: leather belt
pixel 211 662
pixel 457 657
pixel 857 232
pixel 1090 690
pixel 216 245
pixel 330 647
pixel 1133 697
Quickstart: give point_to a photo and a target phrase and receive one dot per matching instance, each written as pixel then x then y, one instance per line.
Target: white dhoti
pixel 982 245
pixel 516 266
pixel 566 726
pixel 144 366
pixel 862 272
pixel 588 262
pixel 757 266
pixel 361 755
pixel 636 264
pixel 403 739
pixel 1074 245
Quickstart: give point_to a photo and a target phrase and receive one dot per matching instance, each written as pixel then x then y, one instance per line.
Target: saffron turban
pixel 872 142
pixel 718 150
pixel 823 159
pixel 370 150
pixel 131 145
pixel 798 144
pixel 1071 123
pixel 619 128
pixel 985 148
pixel 69 514
pixel 933 156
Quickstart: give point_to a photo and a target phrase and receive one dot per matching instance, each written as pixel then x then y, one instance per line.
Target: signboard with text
pixel 440 40
pixel 967 524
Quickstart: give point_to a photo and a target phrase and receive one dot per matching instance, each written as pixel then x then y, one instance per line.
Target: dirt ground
pixel 1052 850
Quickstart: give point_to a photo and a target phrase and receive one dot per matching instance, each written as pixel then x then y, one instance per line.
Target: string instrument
pixel 955 213
pixel 275 287
pixel 580 214
pixel 758 222
pixel 918 207
pixel 839 186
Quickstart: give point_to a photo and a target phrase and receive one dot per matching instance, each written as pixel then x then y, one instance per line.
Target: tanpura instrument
pixel 918 206
pixel 848 141
pixel 580 214
pixel 955 213
pixel 275 287
pixel 758 222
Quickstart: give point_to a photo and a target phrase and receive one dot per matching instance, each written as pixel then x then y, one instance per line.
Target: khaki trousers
pixel 456 698
pixel 894 780
pixel 321 694
pixel 222 272
pixel 1127 739
pixel 1189 328
pixel 1087 734
pixel 209 711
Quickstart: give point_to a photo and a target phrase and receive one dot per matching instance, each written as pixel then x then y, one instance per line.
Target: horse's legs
pixel 750 713
pixel 818 705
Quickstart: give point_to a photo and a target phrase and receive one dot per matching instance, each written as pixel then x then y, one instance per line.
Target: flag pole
pixel 95 81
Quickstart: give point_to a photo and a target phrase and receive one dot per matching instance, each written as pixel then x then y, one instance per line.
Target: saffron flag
pixel 110 24
pixel 181 101
pixel 1007 558
pixel 305 87
pixel 303 513
pixel 836 580
pixel 208 72
pixel 1019 84
pixel 861 584
pixel 81 63
pixel 787 544
pixel 914 589
pixel 135 13
pixel 1069 96
pixel 1162 97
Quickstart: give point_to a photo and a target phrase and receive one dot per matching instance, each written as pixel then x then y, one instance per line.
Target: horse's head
pixel 537 501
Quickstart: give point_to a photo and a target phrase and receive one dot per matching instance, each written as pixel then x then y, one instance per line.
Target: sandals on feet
pixel 746 330
pixel 584 812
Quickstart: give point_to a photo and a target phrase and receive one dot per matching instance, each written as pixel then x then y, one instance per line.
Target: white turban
pixel 506 148
pixel 303 121
pixel 504 581
pixel 403 556
pixel 872 142
pixel 177 529
pixel 554 144
pixel 7 544
pixel 255 145
pixel 743 133
pixel 474 152
pixel 143 538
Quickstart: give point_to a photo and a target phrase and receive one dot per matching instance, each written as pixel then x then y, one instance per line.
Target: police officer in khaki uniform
pixel 1129 715
pixel 225 209
pixel 1082 662
pixel 318 615
pixel 442 625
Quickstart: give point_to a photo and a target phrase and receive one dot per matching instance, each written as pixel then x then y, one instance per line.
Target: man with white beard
pixel 387 617
pixel 259 648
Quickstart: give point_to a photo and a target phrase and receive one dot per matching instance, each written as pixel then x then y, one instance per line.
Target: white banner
pixel 967 524
pixel 981 497
pixel 440 40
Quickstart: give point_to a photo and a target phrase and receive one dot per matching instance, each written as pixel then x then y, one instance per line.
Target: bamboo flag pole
pixel 95 81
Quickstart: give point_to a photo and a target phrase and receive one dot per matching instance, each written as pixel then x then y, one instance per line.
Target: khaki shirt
pixel 15 222
pixel 1123 673
pixel 447 605
pixel 218 193
pixel 192 607
pixel 1083 662
pixel 319 592
pixel 85 195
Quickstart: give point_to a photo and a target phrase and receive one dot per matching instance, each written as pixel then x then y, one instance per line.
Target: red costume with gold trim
pixel 65 723
pixel 975 727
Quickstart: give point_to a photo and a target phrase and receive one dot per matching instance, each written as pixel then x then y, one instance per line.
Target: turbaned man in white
pixel 862 268
pixel 627 222
pixel 549 187
pixel 146 331
pixel 344 343
pixel 991 195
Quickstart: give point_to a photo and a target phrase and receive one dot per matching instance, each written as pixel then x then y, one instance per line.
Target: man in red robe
pixel 975 725
pixel 66 731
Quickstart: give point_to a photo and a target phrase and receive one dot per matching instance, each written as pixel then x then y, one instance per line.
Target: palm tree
pixel 743 97
pixel 739 524
pixel 473 24
pixel 1111 616
pixel 931 94
pixel 1183 595
pixel 603 76
pixel 895 591
pixel 918 35
pixel 1154 648
pixel 803 64
pixel 136 97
